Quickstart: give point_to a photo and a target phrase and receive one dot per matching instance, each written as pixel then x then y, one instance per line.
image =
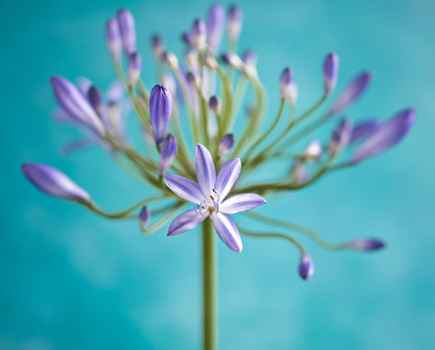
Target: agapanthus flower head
pixel 144 215
pixel 127 30
pixel 113 38
pixel 340 136
pixel 234 22
pixel 73 103
pixel 134 68
pixel 306 267
pixel 351 93
pixel 226 144
pixel 215 26
pixel 387 135
pixel 365 245
pixel 160 111
pixel 288 88
pixel 330 72
pixel 209 194
pixel 168 151
pixel 53 182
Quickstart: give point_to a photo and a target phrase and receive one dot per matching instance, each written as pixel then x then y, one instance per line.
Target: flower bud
pixel 215 26
pixel 53 182
pixel 306 267
pixel 363 130
pixel 160 111
pixel 134 67
pixel 313 150
pixel 330 72
pixel 169 83
pixel 299 172
pixel 340 136
pixel 249 58
pixel 156 44
pixel 234 22
pixel 168 152
pixel 364 245
pixel 213 104
pixel 94 99
pixel 232 60
pixel 170 59
pixel 144 215
pixel 211 62
pixel 186 38
pixel 76 105
pixel 127 30
pixel 351 93
pixel 289 90
pixel 199 34
pixel 113 39
pixel 226 144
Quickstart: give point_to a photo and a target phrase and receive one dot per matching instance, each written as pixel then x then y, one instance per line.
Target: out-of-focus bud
pixel 288 88
pixel 313 151
pixel 53 182
pixel 211 62
pixel 298 171
pixel 226 144
pixel 72 101
pixel 144 215
pixel 249 58
pixel 94 98
pixel 214 105
pixel 232 60
pixel 186 38
pixel 168 152
pixel 362 130
pixel 199 34
pixel 134 68
pixel 156 44
pixel 192 79
pixel 160 111
pixel 215 26
pixel 127 30
pixel 306 267
pixel 192 60
pixel 340 136
pixel 330 72
pixel 170 59
pixel 234 22
pixel 364 245
pixel 351 93
pixel 169 83
pixel 113 39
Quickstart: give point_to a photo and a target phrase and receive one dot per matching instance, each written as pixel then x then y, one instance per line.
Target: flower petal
pixel 184 188
pixel 185 221
pixel 205 170
pixel 241 202
pixel 227 231
pixel 227 176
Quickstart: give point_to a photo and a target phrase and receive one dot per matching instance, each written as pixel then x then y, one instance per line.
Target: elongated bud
pixel 232 60
pixel 144 215
pixel 234 22
pixel 113 39
pixel 226 144
pixel 340 136
pixel 249 58
pixel 215 26
pixel 127 30
pixel 186 38
pixel 169 83
pixel 170 59
pixel 306 267
pixel 94 98
pixel 76 105
pixel 362 130
pixel 364 245
pixel 214 104
pixel 134 67
pixel 199 34
pixel 386 136
pixel 168 152
pixel 313 150
pixel 54 183
pixel 289 90
pixel 160 111
pixel 330 72
pixel 351 93
pixel 156 44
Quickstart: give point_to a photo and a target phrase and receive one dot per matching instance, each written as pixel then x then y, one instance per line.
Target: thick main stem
pixel 209 314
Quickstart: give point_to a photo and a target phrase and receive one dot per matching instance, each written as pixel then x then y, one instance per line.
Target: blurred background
pixel 71 280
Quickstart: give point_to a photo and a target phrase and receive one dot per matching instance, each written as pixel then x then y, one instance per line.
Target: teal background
pixel 70 280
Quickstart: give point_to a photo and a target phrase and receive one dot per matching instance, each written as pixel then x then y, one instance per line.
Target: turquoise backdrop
pixel 70 280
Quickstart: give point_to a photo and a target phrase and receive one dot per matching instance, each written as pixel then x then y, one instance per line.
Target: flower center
pixel 210 204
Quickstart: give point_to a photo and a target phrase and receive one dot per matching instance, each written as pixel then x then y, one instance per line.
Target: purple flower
pixel 351 93
pixel 94 98
pixel 160 111
pixel 134 67
pixel 234 22
pixel 364 129
pixel 226 144
pixel 330 72
pixel 340 136
pixel 73 103
pixel 53 182
pixel 127 29
pixel 113 38
pixel 215 26
pixel 209 194
pixel 364 245
pixel 232 60
pixel 289 90
pixel 214 104
pixel 168 152
pixel 199 34
pixel 306 267
pixel 144 215
pixel 386 136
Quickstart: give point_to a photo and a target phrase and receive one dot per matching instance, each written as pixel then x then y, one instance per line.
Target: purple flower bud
pixel 232 60
pixel 169 83
pixel 160 111
pixel 113 38
pixel 170 59
pixel 199 34
pixel 364 245
pixel 351 93
pixel 134 67
pixel 156 44
pixel 168 152
pixel 364 129
pixel 215 26
pixel 306 267
pixel 53 182
pixel 186 38
pixel 249 58
pixel 94 99
pixel 76 105
pixel 388 135
pixel 214 104
pixel 234 22
pixel 330 72
pixel 127 29
pixel 289 90
pixel 144 215
pixel 340 136
pixel 226 144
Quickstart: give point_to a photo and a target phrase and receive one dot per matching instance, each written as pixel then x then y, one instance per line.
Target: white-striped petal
pixel 184 188
pixel 227 176
pixel 227 231
pixel 185 222
pixel 241 202
pixel 205 170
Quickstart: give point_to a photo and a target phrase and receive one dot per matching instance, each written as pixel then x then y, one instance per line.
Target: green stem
pixel 209 314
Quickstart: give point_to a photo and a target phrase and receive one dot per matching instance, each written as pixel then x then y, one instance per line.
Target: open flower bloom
pixel 210 196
